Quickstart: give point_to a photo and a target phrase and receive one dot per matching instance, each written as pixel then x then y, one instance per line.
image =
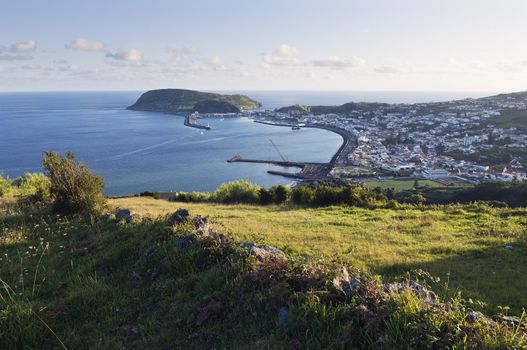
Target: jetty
pixel 190 120
pixel 308 170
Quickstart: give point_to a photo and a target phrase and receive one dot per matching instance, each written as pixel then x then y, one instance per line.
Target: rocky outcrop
pixel 123 215
pixel 427 296
pixel 343 283
pixel 180 216
pixel 264 253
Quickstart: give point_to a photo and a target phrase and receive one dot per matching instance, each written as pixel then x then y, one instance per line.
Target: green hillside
pixel 179 100
pixel 74 284
pixel 80 271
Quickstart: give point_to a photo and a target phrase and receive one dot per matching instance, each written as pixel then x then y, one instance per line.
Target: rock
pixel 178 217
pixel 283 315
pixel 343 283
pixel 511 321
pixel 123 215
pixel 474 316
pixel 264 253
pixel 427 296
pixel 201 224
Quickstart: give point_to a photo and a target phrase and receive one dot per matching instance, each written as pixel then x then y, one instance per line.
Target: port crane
pixel 278 151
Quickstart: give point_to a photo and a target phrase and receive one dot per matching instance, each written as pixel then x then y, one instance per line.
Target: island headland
pixel 189 101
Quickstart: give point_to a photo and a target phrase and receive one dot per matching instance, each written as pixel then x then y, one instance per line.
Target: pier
pixel 309 171
pixel 190 120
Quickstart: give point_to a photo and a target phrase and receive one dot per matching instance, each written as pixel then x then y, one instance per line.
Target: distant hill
pixel 181 101
pixel 345 108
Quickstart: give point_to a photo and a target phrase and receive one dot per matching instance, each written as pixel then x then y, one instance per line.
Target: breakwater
pixel 190 120
pixel 349 142
pixel 309 171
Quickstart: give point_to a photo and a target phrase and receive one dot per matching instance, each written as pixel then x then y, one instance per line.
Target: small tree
pixel 266 196
pixel 302 195
pixel 74 188
pixel 281 194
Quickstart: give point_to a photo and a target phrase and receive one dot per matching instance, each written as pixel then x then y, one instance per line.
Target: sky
pixel 370 45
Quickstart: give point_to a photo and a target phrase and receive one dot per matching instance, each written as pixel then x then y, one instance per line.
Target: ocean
pixel 137 151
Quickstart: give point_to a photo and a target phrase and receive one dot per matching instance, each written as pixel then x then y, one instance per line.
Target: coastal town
pixel 463 141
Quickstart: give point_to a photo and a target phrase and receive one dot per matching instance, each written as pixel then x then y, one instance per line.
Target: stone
pixel 474 316
pixel 180 216
pixel 342 282
pixel 511 321
pixel 201 224
pixel 264 253
pixel 123 215
pixel 427 296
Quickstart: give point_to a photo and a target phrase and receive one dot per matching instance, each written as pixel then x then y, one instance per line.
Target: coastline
pixel 347 138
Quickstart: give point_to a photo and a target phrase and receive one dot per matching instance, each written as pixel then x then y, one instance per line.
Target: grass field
pixel 479 251
pixel 401 185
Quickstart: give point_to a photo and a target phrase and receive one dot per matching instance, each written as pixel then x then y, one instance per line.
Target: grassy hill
pixel 72 283
pixel 465 246
pixel 180 100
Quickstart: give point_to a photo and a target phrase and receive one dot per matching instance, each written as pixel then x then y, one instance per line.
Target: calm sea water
pixel 137 151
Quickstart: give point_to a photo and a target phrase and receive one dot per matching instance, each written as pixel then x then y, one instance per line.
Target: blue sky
pixel 263 45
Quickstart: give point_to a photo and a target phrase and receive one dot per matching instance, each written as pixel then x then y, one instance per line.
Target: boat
pixel 295 128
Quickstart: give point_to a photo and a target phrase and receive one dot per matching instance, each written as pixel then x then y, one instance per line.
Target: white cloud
pixel 31 67
pixel 214 63
pixel 24 46
pixel 131 56
pixel 86 45
pixel 511 66
pixel 336 62
pixel 284 55
pixel 9 57
pixel 60 61
pixel 183 50
pixel 387 70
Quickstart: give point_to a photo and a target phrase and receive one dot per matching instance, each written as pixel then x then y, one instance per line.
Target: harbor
pixel 309 170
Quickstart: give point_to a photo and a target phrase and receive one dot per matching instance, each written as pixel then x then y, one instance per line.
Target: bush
pixel 281 194
pixel 241 191
pixel 148 194
pixel 265 196
pixel 302 195
pixel 36 185
pixel 6 186
pixel 74 189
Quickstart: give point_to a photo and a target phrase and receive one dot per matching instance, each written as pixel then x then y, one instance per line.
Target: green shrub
pixel 6 186
pixel 36 185
pixel 281 194
pixel 265 196
pixel 74 188
pixel 241 191
pixel 302 195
